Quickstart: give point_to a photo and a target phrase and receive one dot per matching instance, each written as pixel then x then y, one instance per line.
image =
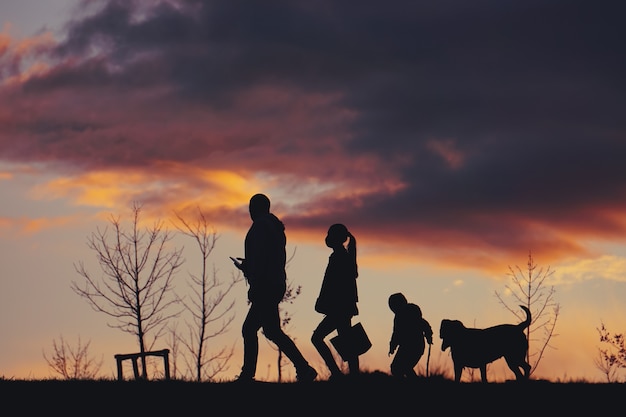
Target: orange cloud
pixel 167 187
pixel 29 226
pixel 18 56
pixel 611 267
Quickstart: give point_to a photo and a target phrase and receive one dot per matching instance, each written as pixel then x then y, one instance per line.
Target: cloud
pixel 30 226
pixel 468 134
pixel 19 59
pixel 608 267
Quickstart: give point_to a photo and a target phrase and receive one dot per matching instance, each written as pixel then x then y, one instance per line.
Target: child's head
pixel 337 235
pixel 397 301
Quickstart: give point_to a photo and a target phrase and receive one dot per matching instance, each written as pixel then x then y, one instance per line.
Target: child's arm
pixel 393 343
pixel 428 332
pixel 392 347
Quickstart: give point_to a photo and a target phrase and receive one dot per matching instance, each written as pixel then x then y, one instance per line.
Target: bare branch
pixel 611 359
pixel 72 363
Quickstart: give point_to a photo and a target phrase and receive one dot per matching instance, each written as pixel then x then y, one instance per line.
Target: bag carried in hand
pixel 353 343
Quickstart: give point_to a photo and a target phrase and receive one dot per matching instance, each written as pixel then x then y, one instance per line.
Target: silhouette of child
pixel 338 297
pixel 409 331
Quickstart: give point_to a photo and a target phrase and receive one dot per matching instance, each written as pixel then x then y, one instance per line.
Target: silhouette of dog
pixel 475 348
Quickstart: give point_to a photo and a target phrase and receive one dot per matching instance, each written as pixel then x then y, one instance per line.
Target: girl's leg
pixel 344 325
pixel 323 329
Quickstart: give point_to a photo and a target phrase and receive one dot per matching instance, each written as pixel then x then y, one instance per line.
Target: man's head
pixel 259 205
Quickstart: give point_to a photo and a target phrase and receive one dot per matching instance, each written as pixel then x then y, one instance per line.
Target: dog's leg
pixel 458 370
pixel 516 368
pixel 512 364
pixel 517 372
pixel 483 373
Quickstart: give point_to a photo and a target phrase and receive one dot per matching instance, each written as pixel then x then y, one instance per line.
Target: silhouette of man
pixel 409 331
pixel 264 269
pixel 338 296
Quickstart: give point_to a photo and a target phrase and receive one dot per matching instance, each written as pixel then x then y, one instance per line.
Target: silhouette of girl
pixel 338 297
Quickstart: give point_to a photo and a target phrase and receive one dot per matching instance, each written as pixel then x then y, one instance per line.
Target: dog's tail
pixel 526 322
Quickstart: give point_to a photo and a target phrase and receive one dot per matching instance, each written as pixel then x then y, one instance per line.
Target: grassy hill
pixel 369 394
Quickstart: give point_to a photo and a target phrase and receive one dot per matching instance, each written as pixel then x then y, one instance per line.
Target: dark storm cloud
pixel 493 115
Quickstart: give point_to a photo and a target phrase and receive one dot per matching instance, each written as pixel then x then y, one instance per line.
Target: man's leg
pixel 250 330
pixel 273 331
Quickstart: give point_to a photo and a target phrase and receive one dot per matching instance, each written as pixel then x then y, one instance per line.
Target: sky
pixel 452 138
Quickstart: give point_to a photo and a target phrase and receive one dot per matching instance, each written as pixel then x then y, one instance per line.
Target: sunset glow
pixel 452 140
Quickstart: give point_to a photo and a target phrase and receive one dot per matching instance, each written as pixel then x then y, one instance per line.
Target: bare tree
pixel 211 312
pixel 530 289
pixel 73 363
pixel 136 286
pixel 613 358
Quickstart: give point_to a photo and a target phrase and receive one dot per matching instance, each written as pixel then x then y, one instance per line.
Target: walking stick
pixel 428 361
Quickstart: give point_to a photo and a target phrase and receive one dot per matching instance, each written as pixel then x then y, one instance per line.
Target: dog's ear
pixel 444 333
pixel 441 327
pixel 449 329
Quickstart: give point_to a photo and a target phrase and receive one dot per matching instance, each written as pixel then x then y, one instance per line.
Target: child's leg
pixel 404 362
pixel 397 367
pixel 323 329
pixel 411 374
pixel 353 365
pixel 344 325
